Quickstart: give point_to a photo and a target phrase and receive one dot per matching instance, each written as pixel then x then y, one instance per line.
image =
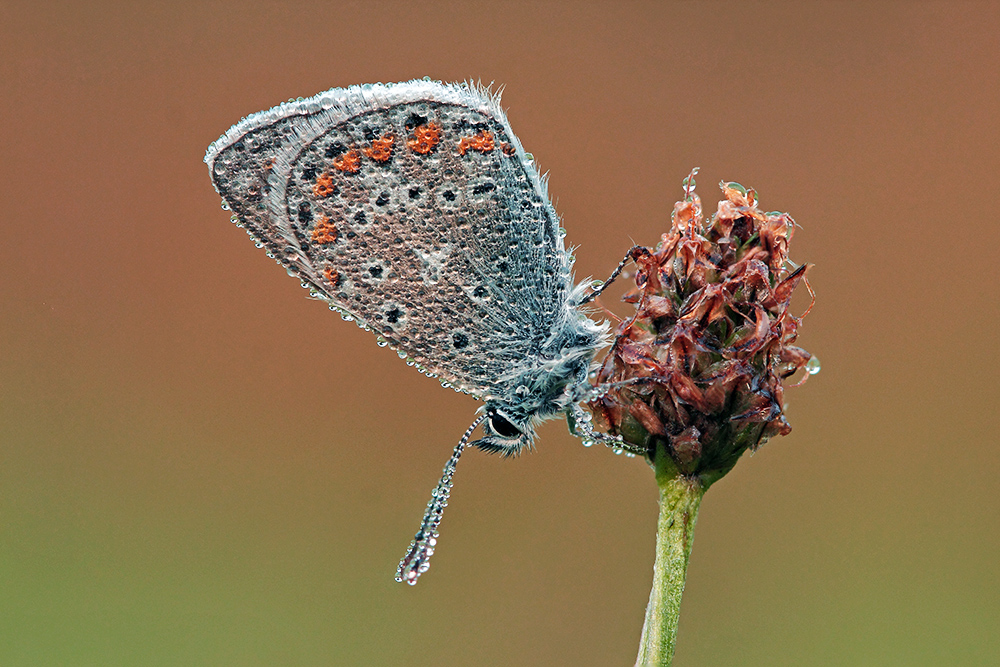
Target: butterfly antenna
pixel 417 559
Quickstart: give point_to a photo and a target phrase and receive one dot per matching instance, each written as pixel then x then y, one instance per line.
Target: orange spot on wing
pixel 324 186
pixel 425 138
pixel 508 149
pixel 482 142
pixel 324 232
pixel 332 277
pixel 349 162
pixel 380 150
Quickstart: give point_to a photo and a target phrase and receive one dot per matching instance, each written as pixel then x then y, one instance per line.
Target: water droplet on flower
pixel 812 366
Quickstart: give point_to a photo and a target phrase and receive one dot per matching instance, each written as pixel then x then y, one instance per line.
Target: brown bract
pixel 711 341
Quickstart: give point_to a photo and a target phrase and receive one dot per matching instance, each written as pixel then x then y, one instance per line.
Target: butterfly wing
pixel 413 209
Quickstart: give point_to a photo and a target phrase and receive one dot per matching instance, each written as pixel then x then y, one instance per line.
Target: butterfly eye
pixel 502 427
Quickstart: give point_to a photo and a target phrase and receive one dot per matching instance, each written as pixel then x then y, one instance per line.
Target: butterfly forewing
pixel 413 208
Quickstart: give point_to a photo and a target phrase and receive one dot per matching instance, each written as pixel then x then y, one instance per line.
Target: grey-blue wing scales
pixel 413 208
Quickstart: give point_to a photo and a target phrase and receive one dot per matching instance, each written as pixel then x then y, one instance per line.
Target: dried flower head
pixel 698 368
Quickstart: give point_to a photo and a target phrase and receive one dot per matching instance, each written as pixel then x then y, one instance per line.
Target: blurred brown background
pixel 200 466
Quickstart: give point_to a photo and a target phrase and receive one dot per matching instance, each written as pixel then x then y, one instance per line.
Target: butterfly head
pixel 504 433
pixel 540 389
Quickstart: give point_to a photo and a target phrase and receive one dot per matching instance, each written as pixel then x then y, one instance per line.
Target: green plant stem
pixel 680 497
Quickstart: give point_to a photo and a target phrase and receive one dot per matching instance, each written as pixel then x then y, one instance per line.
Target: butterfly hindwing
pixel 413 208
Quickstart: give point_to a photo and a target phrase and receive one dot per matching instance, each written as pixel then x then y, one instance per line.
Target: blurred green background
pixel 200 466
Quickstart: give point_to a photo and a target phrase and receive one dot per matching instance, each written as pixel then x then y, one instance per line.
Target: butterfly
pixel 413 210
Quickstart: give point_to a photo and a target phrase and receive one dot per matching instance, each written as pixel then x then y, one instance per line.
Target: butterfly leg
pixel 633 253
pixel 579 422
